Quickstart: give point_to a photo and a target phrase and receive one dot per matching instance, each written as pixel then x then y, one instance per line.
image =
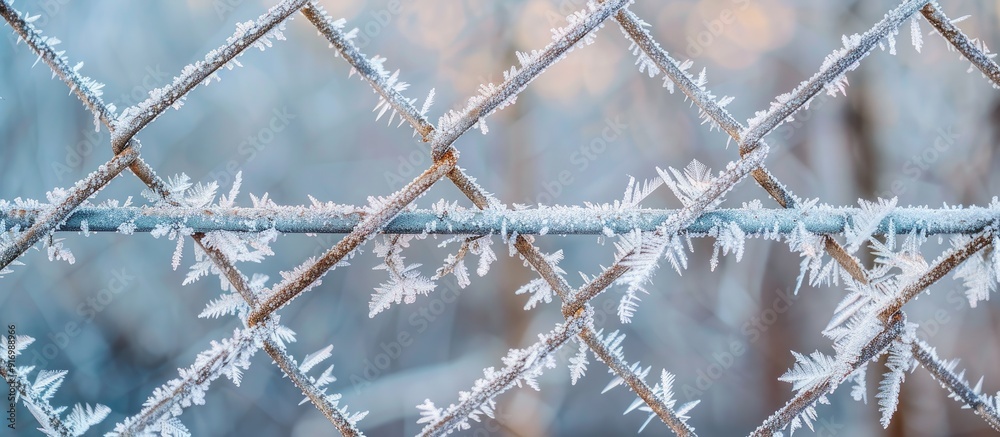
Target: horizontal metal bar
pixel 554 220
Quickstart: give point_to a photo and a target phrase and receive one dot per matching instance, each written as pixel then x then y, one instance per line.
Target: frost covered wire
pixel 248 34
pixel 709 197
pixel 612 358
pixel 347 425
pixel 48 418
pixel 571 220
pixel 676 75
pixel 88 90
pixel 946 264
pixel 973 50
pixel 477 194
pixel 445 156
pixel 495 97
pixel 831 74
pixel 522 367
pixel 332 30
pixel 482 200
pixel 658 404
pixel 226 358
pixel 944 372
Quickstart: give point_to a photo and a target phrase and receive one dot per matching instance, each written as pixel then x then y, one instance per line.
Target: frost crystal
pixel 900 359
pixel 405 281
pixel 690 185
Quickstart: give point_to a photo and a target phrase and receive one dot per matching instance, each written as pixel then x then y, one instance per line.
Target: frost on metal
pixel 868 322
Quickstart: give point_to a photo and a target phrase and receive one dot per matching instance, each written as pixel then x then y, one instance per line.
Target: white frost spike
pixel 628 304
pixel 641 257
pixel 317 386
pixel 455 264
pixel 809 371
pixel 315 358
pixel 663 390
pixel 539 291
pixel 578 364
pixel 227 304
pixel 960 19
pixel 234 190
pixel 538 288
pixel 427 103
pixel 634 194
pixel 729 238
pixel 860 389
pixel 56 251
pixel 481 247
pixel 900 357
pixel 849 307
pixel 83 417
pixel 696 178
pixel 915 37
pixel 995 258
pixel 429 413
pixel 405 281
pixel 865 223
pixel 977 273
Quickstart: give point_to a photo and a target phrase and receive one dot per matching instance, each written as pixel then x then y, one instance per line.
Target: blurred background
pixel 914 125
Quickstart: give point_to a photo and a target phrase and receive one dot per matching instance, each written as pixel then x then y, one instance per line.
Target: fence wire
pixel 394 215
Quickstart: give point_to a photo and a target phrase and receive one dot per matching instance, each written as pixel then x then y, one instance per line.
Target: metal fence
pixel 873 315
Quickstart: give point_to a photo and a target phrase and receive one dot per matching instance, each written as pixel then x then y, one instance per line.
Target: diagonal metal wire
pixel 575 303
pixel 954 383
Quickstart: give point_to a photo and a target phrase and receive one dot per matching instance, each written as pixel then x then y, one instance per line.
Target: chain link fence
pixel 869 323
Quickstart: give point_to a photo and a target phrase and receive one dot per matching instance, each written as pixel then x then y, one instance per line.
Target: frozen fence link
pixel 869 321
